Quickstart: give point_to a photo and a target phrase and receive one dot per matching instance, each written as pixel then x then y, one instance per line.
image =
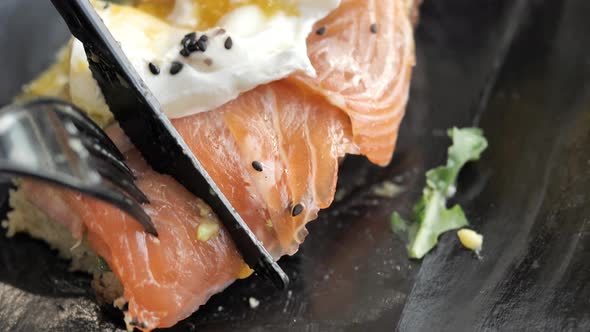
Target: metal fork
pixel 53 141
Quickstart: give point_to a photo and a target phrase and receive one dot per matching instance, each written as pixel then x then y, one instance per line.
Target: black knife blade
pixel 139 115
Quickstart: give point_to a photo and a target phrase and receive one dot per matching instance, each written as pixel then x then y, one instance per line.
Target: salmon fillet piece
pixel 297 129
pixel 364 62
pixel 297 138
pixel 165 279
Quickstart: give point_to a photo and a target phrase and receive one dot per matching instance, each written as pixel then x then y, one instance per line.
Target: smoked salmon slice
pixel 165 279
pixel 294 131
pixel 364 60
pixel 298 139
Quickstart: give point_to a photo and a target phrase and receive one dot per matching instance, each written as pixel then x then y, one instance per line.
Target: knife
pixel 140 116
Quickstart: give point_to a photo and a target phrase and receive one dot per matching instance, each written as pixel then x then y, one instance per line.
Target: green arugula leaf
pixel 431 218
pixel 402 227
pixel 103 265
pixel 468 144
pixel 398 224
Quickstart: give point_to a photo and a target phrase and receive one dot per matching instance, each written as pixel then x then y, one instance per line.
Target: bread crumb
pixel 254 303
pixel 120 303
pixel 387 189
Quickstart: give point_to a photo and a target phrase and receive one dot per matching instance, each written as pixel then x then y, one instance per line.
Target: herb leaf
pixel 402 227
pixel 468 144
pixel 398 224
pixel 103 265
pixel 433 219
pixel 430 215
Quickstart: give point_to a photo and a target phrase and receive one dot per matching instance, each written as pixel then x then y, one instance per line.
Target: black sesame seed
pixel 229 43
pixel 185 52
pixel 202 45
pixel 154 68
pixel 176 67
pixel 321 31
pixel 374 28
pixel 297 209
pixel 189 37
pixel 204 38
pixel 192 47
pixel 257 166
pixel 106 5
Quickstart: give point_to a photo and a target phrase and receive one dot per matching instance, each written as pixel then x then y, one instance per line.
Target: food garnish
pixel 470 239
pixel 103 265
pixel 253 302
pixel 431 218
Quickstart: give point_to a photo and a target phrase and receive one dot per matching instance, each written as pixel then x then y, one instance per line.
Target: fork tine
pixel 110 195
pixel 82 122
pixel 64 159
pixel 129 206
pixel 136 211
pixel 119 178
pixel 100 137
pixel 100 152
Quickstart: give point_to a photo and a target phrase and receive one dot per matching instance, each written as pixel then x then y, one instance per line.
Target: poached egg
pixel 195 57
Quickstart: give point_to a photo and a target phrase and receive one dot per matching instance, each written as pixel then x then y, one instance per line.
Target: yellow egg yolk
pixel 209 12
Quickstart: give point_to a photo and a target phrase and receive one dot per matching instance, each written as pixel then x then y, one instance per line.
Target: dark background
pixel 517 68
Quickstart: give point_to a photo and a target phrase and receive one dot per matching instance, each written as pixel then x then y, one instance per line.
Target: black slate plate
pixel 518 68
